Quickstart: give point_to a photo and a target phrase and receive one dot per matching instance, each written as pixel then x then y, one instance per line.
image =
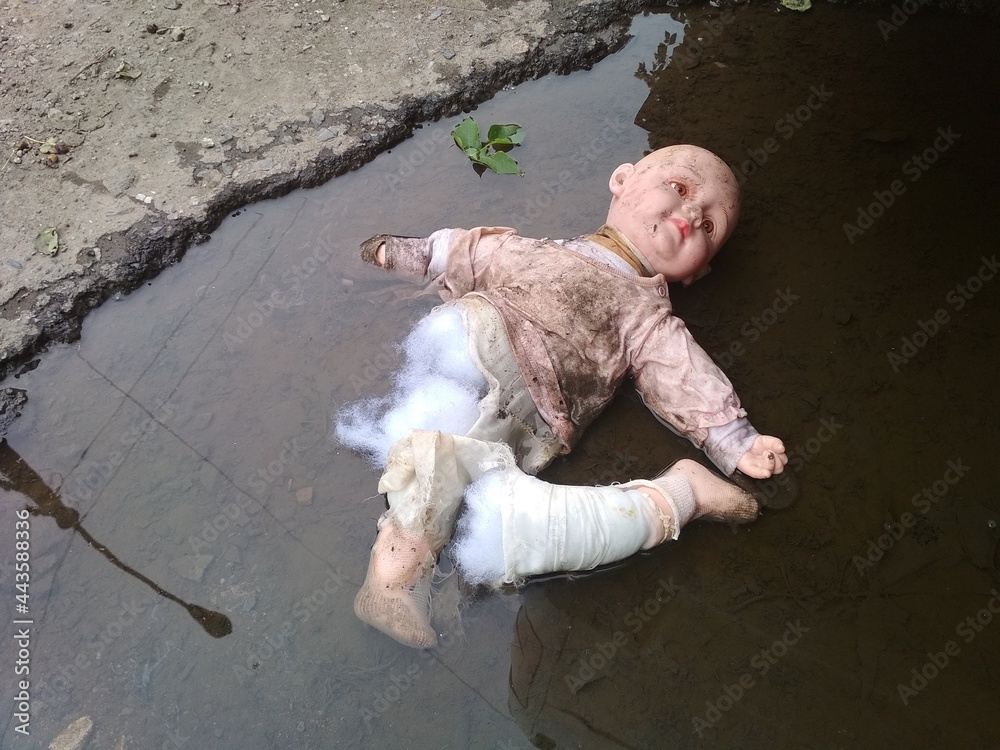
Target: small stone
pixel 317 117
pixel 74 736
pixel 304 496
pixel 324 17
pixel 13 263
pixel 177 35
pixel 120 181
pixel 172 5
pixel 448 53
pixel 265 165
pixel 192 567
pixel 207 143
pixel 242 146
pixel 327 134
pixel 434 14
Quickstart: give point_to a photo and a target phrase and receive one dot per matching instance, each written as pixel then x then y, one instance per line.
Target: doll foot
pixel 715 498
pixel 776 493
pixel 395 597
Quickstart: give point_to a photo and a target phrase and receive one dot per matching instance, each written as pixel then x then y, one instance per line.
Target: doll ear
pixel 619 176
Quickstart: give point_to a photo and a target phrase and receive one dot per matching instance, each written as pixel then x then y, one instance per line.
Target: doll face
pixel 678 205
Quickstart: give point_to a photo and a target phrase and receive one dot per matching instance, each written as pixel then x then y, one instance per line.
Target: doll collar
pixel 609 237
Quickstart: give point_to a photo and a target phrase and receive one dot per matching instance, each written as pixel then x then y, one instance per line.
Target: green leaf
pixel 506 135
pixel 800 5
pixel 126 70
pixel 47 241
pixel 499 162
pixel 48 147
pixel 466 135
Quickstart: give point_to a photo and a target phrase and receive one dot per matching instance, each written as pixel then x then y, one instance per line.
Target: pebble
pixel 448 53
pixel 144 198
pixel 120 181
pixel 172 5
pixel 327 134
pixel 13 263
pixel 434 14
pixel 242 146
pixel 265 165
pixel 207 143
pixel 192 567
pixel 304 496
pixel 317 117
pixel 74 736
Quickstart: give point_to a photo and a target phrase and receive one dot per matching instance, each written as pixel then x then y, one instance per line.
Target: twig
pixel 107 53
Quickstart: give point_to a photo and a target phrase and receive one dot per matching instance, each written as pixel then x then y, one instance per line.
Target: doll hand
pixel 765 457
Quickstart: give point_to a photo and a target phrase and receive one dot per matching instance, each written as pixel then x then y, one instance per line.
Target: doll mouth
pixel 682 226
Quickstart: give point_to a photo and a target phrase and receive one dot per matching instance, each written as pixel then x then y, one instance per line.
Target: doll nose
pixel 693 212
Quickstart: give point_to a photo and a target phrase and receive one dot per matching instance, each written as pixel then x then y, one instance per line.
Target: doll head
pixel 677 205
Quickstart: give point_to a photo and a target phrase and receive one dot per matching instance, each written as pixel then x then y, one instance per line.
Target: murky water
pixel 189 430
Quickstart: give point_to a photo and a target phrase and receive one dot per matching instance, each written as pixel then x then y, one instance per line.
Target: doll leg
pixel 518 526
pixel 425 477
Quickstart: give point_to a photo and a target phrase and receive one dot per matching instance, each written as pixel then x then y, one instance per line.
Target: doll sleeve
pixel 420 256
pixel 686 390
pixel 456 259
pixel 727 443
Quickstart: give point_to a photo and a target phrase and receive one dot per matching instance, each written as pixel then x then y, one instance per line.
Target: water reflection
pixel 17 476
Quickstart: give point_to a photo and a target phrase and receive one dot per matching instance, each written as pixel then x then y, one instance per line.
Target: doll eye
pixel 708 225
pixel 680 187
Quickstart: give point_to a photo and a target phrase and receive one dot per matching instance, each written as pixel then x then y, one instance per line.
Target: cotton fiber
pixel 438 388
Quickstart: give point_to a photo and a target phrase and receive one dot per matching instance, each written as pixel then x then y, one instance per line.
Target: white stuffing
pixel 438 388
pixel 478 548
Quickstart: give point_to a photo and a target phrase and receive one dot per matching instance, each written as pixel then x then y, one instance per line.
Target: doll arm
pixel 687 391
pixel 420 256
pixel 765 457
pixel 726 444
pixel 456 259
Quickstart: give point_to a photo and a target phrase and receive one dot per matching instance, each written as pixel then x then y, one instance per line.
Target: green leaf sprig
pixel 492 152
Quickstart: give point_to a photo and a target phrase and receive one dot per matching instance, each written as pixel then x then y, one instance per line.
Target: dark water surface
pixel 187 435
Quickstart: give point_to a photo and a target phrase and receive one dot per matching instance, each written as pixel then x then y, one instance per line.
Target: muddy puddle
pixel 186 435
